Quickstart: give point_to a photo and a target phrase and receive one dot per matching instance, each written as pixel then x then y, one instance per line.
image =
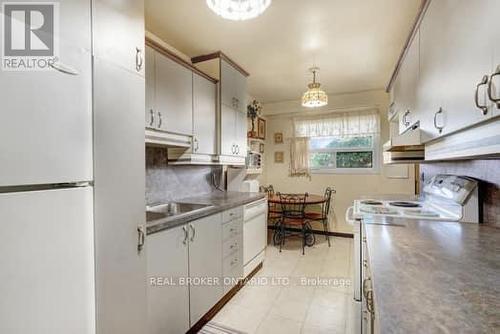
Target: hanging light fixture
pixel 238 10
pixel 314 97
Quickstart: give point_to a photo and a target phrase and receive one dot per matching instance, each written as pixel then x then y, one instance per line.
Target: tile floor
pixel 278 301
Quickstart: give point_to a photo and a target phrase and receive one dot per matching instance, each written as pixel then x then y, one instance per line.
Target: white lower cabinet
pixel 184 274
pixel 205 249
pixel 168 301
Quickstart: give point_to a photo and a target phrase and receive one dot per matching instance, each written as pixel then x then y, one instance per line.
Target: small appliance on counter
pixel 239 180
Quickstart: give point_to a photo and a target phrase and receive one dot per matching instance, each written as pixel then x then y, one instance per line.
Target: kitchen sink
pixel 172 209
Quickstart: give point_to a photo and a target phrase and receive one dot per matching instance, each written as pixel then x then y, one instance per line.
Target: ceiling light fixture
pixel 314 97
pixel 238 10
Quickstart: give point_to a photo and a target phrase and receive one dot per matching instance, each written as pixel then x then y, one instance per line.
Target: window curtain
pixel 299 157
pixel 338 124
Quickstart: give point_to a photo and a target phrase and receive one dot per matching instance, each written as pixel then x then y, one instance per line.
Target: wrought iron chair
pixel 323 215
pixel 273 211
pixel 293 215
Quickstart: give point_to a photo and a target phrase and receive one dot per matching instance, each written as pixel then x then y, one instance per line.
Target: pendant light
pixel 314 97
pixel 238 10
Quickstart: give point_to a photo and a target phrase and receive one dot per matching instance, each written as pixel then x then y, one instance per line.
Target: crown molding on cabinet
pixel 169 54
pixel 222 55
pixel 416 24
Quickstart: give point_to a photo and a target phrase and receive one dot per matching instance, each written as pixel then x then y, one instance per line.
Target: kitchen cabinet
pixel 204 116
pixel 405 99
pixel 119 188
pixel 233 132
pixel 241 134
pixel 232 237
pixel 233 87
pixel 168 301
pixel 456 53
pixel 120 27
pixel 173 96
pixel 205 250
pixel 51 109
pixel 495 80
pixel 150 89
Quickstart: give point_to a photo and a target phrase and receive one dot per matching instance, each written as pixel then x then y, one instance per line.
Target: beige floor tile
pixel 323 317
pixel 291 309
pixel 240 318
pixel 273 324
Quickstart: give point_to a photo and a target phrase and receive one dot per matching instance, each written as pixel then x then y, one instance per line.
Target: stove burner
pixel 405 204
pixel 371 202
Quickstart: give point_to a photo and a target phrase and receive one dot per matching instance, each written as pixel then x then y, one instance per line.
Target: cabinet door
pixel 228 84
pixel 46 116
pixel 174 96
pixel 241 134
pixel 119 199
pixel 119 26
pixel 409 81
pixel 150 87
pixel 204 111
pixel 205 260
pixel 456 48
pixel 495 37
pixel 168 301
pixel 228 130
pixel 241 96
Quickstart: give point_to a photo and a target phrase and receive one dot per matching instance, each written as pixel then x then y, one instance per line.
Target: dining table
pixel 311 199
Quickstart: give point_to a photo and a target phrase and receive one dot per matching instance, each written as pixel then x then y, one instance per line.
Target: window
pixel 343 154
pixel 346 142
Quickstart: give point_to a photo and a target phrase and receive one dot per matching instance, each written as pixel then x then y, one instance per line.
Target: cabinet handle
pixel 237 148
pixel 490 88
pixel 406 122
pixel 66 69
pixel 439 128
pixel 233 150
pixel 192 230
pixel 484 108
pixel 369 301
pixel 139 60
pixel 196 145
pixel 141 238
pixel 186 235
pixel 160 120
pixel 365 289
pixel 152 117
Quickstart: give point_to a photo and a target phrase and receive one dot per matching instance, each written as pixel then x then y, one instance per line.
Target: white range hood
pixel 406 147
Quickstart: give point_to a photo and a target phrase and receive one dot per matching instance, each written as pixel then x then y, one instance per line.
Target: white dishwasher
pixel 254 234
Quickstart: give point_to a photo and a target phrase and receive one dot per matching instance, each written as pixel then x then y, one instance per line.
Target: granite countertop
pixel 435 277
pixel 218 201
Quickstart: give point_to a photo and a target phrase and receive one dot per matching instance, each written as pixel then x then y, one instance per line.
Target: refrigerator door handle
pixel 141 235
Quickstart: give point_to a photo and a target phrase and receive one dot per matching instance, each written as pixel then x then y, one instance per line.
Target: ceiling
pixel 356 43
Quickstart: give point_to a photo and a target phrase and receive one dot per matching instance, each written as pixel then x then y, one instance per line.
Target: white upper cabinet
pixel 46 116
pixel 456 53
pixel 241 134
pixel 150 88
pixel 120 27
pixel 204 112
pixel 173 96
pixel 228 130
pixel 233 87
pixel 494 41
pixel 405 87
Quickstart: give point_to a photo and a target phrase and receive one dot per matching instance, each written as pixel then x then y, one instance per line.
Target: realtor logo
pixel 30 35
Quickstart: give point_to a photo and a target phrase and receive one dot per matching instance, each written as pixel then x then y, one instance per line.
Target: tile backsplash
pixel 487 171
pixel 165 183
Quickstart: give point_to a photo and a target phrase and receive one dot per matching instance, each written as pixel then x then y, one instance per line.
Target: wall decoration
pixel 261 128
pixel 278 138
pixel 279 157
pixel 261 148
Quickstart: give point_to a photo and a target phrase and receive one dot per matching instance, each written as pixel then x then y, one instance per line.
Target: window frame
pixel 375 149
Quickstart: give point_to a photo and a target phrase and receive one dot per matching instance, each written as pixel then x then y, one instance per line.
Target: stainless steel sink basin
pixel 172 209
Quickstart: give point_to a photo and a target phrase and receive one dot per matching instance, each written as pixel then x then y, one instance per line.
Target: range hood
pixel 406 147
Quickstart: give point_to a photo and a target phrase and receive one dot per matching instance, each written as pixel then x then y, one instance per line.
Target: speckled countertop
pixel 435 277
pixel 219 201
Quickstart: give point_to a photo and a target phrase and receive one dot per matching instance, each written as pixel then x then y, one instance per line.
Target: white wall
pixel 348 186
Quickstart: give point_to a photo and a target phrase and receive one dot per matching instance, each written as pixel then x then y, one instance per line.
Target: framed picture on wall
pixel 261 128
pixel 279 157
pixel 278 138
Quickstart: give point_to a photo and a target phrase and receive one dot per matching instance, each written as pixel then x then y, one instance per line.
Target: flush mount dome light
pixel 238 10
pixel 314 97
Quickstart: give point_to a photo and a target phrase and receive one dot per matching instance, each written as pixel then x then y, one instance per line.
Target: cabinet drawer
pixel 232 229
pixel 255 209
pixel 232 214
pixel 230 247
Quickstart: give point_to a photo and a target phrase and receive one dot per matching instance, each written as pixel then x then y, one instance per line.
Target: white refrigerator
pixel 46 195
